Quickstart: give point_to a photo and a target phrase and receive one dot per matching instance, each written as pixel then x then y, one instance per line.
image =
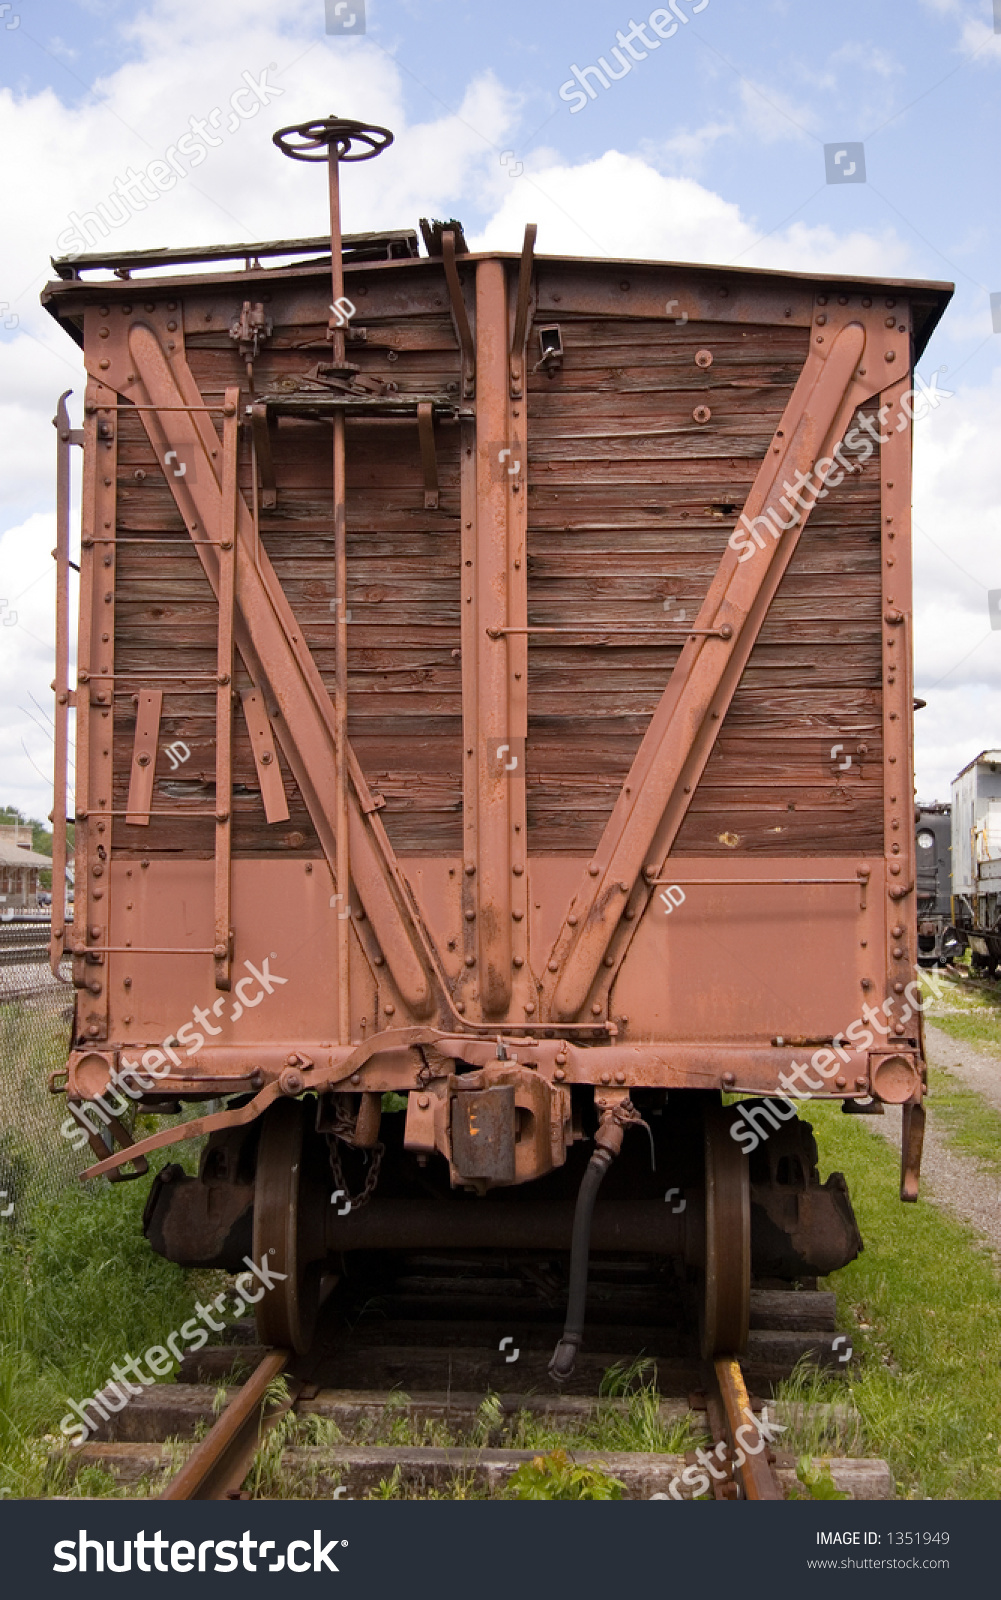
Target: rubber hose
pixel 565 1354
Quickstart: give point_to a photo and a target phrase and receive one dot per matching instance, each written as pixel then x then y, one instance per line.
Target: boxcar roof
pixel 65 298
pixel 992 756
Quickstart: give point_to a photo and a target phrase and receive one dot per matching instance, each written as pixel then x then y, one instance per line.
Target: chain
pixel 371 1177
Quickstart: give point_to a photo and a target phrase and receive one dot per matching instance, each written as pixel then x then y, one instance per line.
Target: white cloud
pixel 187 59
pixel 772 115
pixel 619 204
pixel 27 622
pixel 957 558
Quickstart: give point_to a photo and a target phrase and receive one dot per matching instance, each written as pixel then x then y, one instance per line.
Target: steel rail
pixel 218 1464
pixel 751 1467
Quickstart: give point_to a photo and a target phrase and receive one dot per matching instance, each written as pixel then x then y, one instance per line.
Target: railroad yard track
pixel 426 1346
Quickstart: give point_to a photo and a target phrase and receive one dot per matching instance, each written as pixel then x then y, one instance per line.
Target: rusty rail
pixel 218 1465
pixel 751 1468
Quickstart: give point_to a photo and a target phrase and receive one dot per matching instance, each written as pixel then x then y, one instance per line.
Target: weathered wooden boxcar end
pixel 494 689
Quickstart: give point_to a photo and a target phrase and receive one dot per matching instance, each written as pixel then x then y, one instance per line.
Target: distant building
pixel 19 868
pixel 976 858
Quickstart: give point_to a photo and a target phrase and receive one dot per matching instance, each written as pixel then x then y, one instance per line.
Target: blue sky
pixel 710 147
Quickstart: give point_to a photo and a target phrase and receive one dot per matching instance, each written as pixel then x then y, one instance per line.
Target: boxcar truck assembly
pixel 494 692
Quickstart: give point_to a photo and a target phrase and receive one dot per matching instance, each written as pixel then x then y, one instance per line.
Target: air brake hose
pixel 608 1143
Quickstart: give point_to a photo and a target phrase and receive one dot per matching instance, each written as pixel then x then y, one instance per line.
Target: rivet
pixel 559 1074
pixel 529 1007
pixel 728 1077
pixel 518 961
pixel 424 1100
pixel 596 1012
pixel 554 966
pixel 620 1077
pixel 593 870
pixel 839 1083
pixel 571 921
pixel 389 1008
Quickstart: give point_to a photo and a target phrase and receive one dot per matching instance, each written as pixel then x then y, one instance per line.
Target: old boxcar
pixel 493 748
pixel 976 855
pixel 937 937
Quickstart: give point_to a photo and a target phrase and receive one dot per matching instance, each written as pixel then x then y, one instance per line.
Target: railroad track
pixel 422 1354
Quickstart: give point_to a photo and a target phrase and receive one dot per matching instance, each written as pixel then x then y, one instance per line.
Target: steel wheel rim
pixel 286 1315
pixel 726 1298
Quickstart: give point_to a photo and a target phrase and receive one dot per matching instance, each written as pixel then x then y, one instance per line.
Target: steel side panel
pixel 735 964
pixel 747 962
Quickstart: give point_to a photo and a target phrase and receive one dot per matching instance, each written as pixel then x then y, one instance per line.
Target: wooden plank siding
pixel 631 502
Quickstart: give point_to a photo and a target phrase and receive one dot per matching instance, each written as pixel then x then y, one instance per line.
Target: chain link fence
pixel 36 1014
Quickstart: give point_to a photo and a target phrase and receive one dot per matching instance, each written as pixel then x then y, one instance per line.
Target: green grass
pixel 923 1304
pixel 79 1289
pixel 970 1125
pixel 968 1012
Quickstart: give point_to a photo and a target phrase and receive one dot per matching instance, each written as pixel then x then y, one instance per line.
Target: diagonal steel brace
pixel 657 792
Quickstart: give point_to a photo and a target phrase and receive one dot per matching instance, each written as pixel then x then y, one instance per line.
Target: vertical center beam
pixel 498 741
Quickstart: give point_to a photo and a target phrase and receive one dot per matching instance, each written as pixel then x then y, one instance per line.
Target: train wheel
pixel 726 1286
pixel 289 1194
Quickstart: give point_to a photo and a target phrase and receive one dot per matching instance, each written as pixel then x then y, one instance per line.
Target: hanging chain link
pixel 371 1177
pixel 343 1130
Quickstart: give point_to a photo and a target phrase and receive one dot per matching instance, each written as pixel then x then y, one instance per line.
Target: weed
pixel 557 1476
pixel 817 1481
